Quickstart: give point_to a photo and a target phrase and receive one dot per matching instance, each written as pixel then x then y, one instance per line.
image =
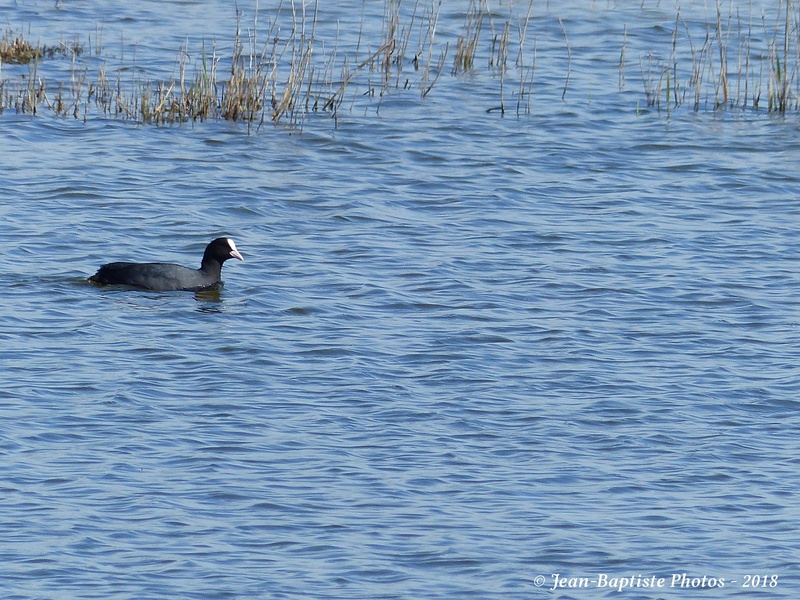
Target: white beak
pixel 234 252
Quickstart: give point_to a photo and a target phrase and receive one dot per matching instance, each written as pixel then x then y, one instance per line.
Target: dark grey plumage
pixel 165 277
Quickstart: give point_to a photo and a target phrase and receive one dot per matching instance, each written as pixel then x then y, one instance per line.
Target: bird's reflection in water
pixel 209 301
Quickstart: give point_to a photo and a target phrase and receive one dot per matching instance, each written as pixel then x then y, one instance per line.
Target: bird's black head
pixel 220 250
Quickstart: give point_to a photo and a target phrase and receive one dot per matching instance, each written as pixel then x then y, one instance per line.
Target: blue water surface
pixel 466 351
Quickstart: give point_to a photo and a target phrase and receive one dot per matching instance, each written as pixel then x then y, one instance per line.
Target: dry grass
pixel 16 50
pixel 467 44
pixel 734 61
pixel 281 78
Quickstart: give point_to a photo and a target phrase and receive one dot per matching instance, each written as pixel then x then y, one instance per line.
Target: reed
pixel 34 93
pixel 499 60
pixel 390 55
pixel 301 42
pixel 702 74
pixel 569 59
pixel 467 44
pixel 289 75
pixel 722 46
pixel 198 99
pixel 526 72
pixel 426 45
pixel 622 60
pixel 241 97
pixel 15 49
pixel 732 62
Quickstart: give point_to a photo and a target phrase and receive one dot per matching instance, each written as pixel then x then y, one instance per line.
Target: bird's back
pixel 161 277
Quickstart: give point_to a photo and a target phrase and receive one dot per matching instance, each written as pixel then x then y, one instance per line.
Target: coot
pixel 166 277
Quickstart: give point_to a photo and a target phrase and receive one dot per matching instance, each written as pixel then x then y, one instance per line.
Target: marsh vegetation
pixel 738 59
pixel 280 68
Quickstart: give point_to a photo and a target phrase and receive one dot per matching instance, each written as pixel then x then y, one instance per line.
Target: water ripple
pixel 461 353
